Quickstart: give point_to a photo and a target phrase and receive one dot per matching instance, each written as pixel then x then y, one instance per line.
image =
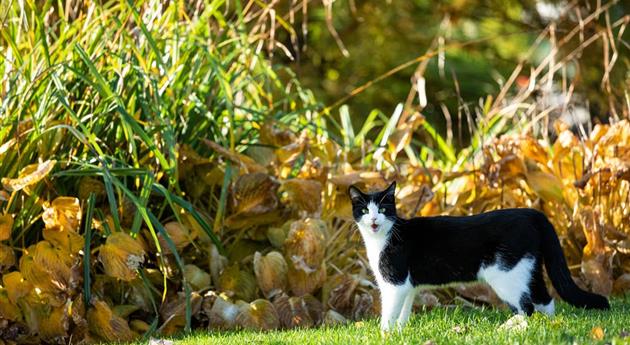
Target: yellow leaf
pixel 54 271
pixel 236 221
pixel 64 213
pixel 546 185
pixel 107 325
pixel 8 310
pixel 399 139
pixel 6 224
pixel 16 286
pixel 121 256
pixel 531 149
pixel 69 241
pixel 287 154
pixel 7 257
pixel 597 333
pixel 54 323
pixel 30 175
pixel 367 177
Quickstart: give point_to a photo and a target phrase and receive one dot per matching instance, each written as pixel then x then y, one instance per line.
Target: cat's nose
pixel 373 220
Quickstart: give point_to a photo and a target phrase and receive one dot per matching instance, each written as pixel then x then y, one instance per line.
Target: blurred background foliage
pixel 377 36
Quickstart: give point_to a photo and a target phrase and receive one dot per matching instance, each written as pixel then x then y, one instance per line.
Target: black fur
pixel 441 250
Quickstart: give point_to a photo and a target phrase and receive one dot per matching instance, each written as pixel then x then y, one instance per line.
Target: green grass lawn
pixel 458 325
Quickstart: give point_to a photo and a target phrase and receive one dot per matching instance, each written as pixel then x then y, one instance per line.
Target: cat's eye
pixel 365 211
pixel 381 210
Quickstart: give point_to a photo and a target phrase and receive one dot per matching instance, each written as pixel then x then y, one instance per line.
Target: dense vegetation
pixel 161 172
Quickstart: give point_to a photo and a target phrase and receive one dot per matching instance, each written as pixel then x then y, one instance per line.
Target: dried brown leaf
pixel 173 312
pixel 29 175
pixel 258 315
pixel 271 273
pixel 7 257
pixel 6 224
pixel 237 283
pixel 305 195
pixel 104 323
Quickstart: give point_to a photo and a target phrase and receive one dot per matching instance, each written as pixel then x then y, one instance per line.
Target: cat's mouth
pixel 374 227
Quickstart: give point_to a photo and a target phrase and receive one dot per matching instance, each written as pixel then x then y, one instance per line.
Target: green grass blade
pixel 87 233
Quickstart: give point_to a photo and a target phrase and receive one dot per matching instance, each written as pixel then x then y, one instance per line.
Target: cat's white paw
pixel 386 328
pixel 385 333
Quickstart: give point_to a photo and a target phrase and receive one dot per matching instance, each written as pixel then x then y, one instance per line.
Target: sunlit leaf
pixel 121 256
pixel 16 286
pixel 69 241
pixel 29 175
pixel 304 247
pixel 258 315
pixel 546 185
pixel 53 270
pixel 107 325
pixel 63 214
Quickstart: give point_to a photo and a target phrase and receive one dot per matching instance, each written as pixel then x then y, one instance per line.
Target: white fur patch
pixel 510 285
pixel 375 240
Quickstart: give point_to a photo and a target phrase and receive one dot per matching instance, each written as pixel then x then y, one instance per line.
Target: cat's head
pixel 374 212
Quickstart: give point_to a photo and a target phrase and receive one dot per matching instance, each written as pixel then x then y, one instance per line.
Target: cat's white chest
pixel 374 245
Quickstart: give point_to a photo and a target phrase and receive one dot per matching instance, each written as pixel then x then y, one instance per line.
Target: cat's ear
pixel 355 194
pixel 391 190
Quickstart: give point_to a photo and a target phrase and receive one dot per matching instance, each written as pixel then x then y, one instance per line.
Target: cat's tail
pixel 559 273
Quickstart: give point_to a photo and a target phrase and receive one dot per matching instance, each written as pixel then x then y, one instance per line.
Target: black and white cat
pixel 505 248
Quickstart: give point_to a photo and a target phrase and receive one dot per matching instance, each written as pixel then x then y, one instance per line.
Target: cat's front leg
pixel 406 308
pixel 392 300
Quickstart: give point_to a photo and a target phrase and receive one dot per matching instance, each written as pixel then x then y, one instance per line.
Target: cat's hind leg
pixel 512 284
pixel 392 300
pixel 540 296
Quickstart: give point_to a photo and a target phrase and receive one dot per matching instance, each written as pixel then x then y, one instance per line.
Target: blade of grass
pixel 87 232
